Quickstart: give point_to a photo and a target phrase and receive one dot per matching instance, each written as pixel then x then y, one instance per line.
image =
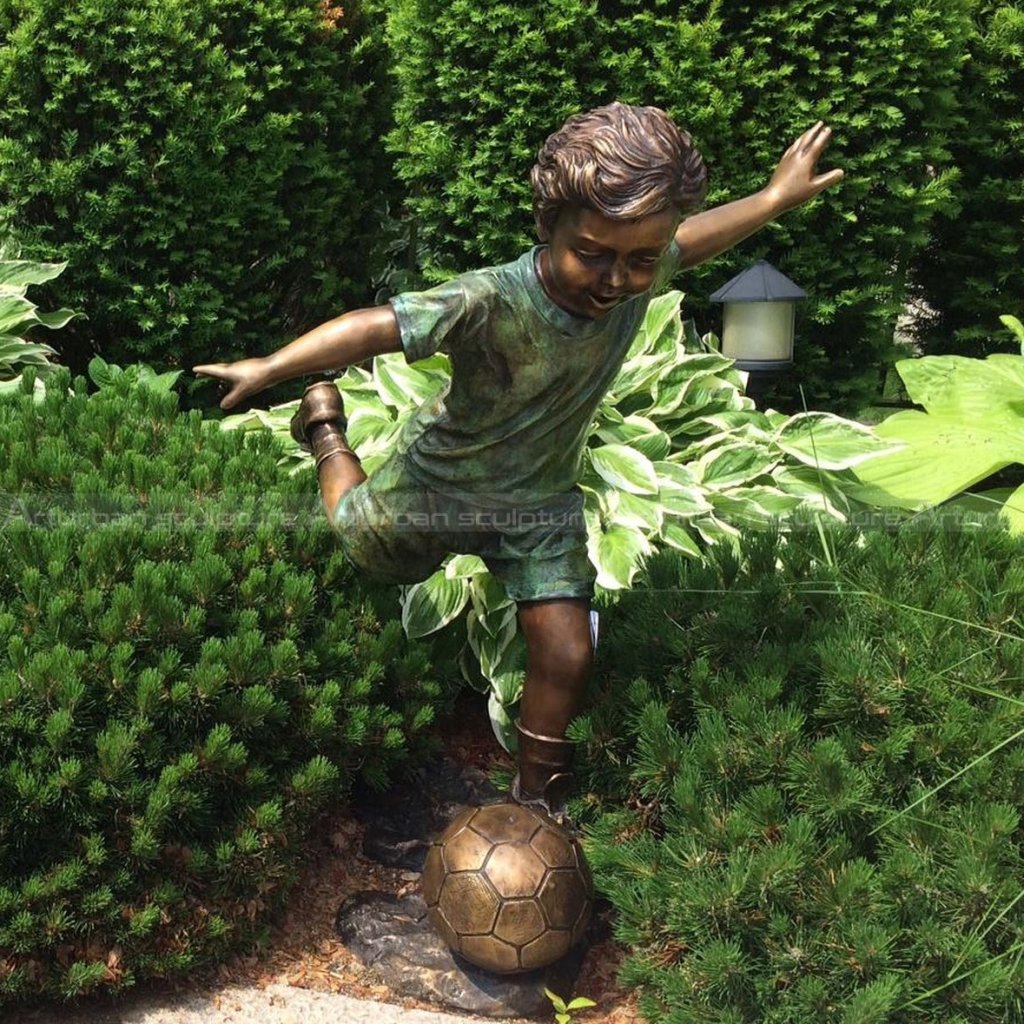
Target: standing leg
pixel 560 656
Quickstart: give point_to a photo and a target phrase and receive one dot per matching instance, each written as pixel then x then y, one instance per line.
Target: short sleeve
pixel 429 320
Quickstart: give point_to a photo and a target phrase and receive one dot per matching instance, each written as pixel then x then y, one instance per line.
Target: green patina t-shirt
pixel 527 378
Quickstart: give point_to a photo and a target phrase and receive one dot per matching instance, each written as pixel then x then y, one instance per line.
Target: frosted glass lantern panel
pixel 758 331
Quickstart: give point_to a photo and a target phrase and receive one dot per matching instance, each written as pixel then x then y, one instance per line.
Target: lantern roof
pixel 759 283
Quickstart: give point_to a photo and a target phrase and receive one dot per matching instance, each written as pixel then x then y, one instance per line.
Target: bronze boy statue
pixel 492 463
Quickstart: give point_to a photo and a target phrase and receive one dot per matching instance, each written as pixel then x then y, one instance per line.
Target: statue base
pixel 393 935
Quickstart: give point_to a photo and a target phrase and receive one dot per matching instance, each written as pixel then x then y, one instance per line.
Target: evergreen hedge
pixel 190 677
pixel 970 273
pixel 210 170
pixel 806 778
pixel 482 84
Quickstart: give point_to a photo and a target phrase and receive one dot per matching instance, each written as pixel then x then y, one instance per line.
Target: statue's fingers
pixel 808 134
pixel 816 137
pixel 827 180
pixel 817 145
pixel 209 370
pixel 232 398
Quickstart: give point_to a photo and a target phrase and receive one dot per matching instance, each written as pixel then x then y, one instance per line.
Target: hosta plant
pixel 972 426
pixel 678 457
pixel 18 315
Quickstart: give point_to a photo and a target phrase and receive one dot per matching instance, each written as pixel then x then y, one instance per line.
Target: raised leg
pixel 560 656
pixel 338 467
pixel 319 426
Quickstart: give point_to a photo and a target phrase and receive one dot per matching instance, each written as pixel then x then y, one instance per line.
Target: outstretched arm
pixel 347 339
pixel 794 182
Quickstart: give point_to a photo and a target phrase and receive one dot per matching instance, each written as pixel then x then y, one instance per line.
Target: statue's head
pixel 620 161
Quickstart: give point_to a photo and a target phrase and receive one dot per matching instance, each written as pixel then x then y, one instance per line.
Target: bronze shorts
pixel 394 529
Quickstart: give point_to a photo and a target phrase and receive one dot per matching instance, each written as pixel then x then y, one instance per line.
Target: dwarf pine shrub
pixel 189 677
pixel 808 779
pixel 210 170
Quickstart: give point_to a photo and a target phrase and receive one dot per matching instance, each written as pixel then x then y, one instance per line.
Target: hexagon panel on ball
pixel 507 888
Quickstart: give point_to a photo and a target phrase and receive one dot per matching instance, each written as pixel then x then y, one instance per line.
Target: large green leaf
pixel 16 313
pixel 638 375
pixel 672 471
pixel 1013 510
pixel 966 387
pixel 943 454
pixel 640 433
pixel 711 394
pixel 714 531
pixel 254 419
pixel 369 427
pixel 683 502
pixel 749 423
pixel 16 275
pixel 103 374
pixel 679 391
pixel 736 462
pixel 56 320
pixel 973 427
pixel 662 325
pixel 678 491
pixel 401 385
pixel 1016 328
pixel 487 648
pixel 826 441
pixel 492 603
pixel 814 488
pixel 701 364
pixel 356 379
pixel 641 512
pixel 624 467
pixel 498 654
pixel 676 536
pixel 15 353
pixel 753 504
pixel 502 726
pixel 432 604
pixel 460 567
pixel 616 553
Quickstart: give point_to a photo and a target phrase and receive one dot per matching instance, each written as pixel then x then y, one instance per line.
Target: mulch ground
pixel 305 952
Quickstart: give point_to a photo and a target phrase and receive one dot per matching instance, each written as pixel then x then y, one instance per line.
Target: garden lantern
pixel 758 318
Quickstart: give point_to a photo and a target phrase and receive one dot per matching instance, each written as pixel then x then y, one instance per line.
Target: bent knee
pixel 567 661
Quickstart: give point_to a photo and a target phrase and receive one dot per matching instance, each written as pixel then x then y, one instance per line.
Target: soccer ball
pixel 508 888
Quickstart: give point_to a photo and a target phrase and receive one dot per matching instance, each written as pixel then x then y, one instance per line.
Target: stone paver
pixel 276 1004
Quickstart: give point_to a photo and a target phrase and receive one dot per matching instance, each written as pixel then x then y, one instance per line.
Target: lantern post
pixel 758 320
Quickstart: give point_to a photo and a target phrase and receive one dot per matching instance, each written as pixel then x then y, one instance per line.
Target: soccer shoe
pixel 321 403
pixel 544 780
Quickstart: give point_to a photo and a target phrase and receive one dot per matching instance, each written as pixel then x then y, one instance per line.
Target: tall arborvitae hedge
pixel 212 171
pixel 481 86
pixel 970 273
pixel 189 677
pixel 806 778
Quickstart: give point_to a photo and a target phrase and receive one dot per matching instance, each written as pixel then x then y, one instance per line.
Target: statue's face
pixel 591 263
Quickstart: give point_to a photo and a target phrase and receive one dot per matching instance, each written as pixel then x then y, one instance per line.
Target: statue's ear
pixel 543 235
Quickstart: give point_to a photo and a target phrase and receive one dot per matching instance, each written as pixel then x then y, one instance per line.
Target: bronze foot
pixel 544 780
pixel 321 405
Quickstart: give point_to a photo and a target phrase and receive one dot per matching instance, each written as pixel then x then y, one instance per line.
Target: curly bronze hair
pixel 621 161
